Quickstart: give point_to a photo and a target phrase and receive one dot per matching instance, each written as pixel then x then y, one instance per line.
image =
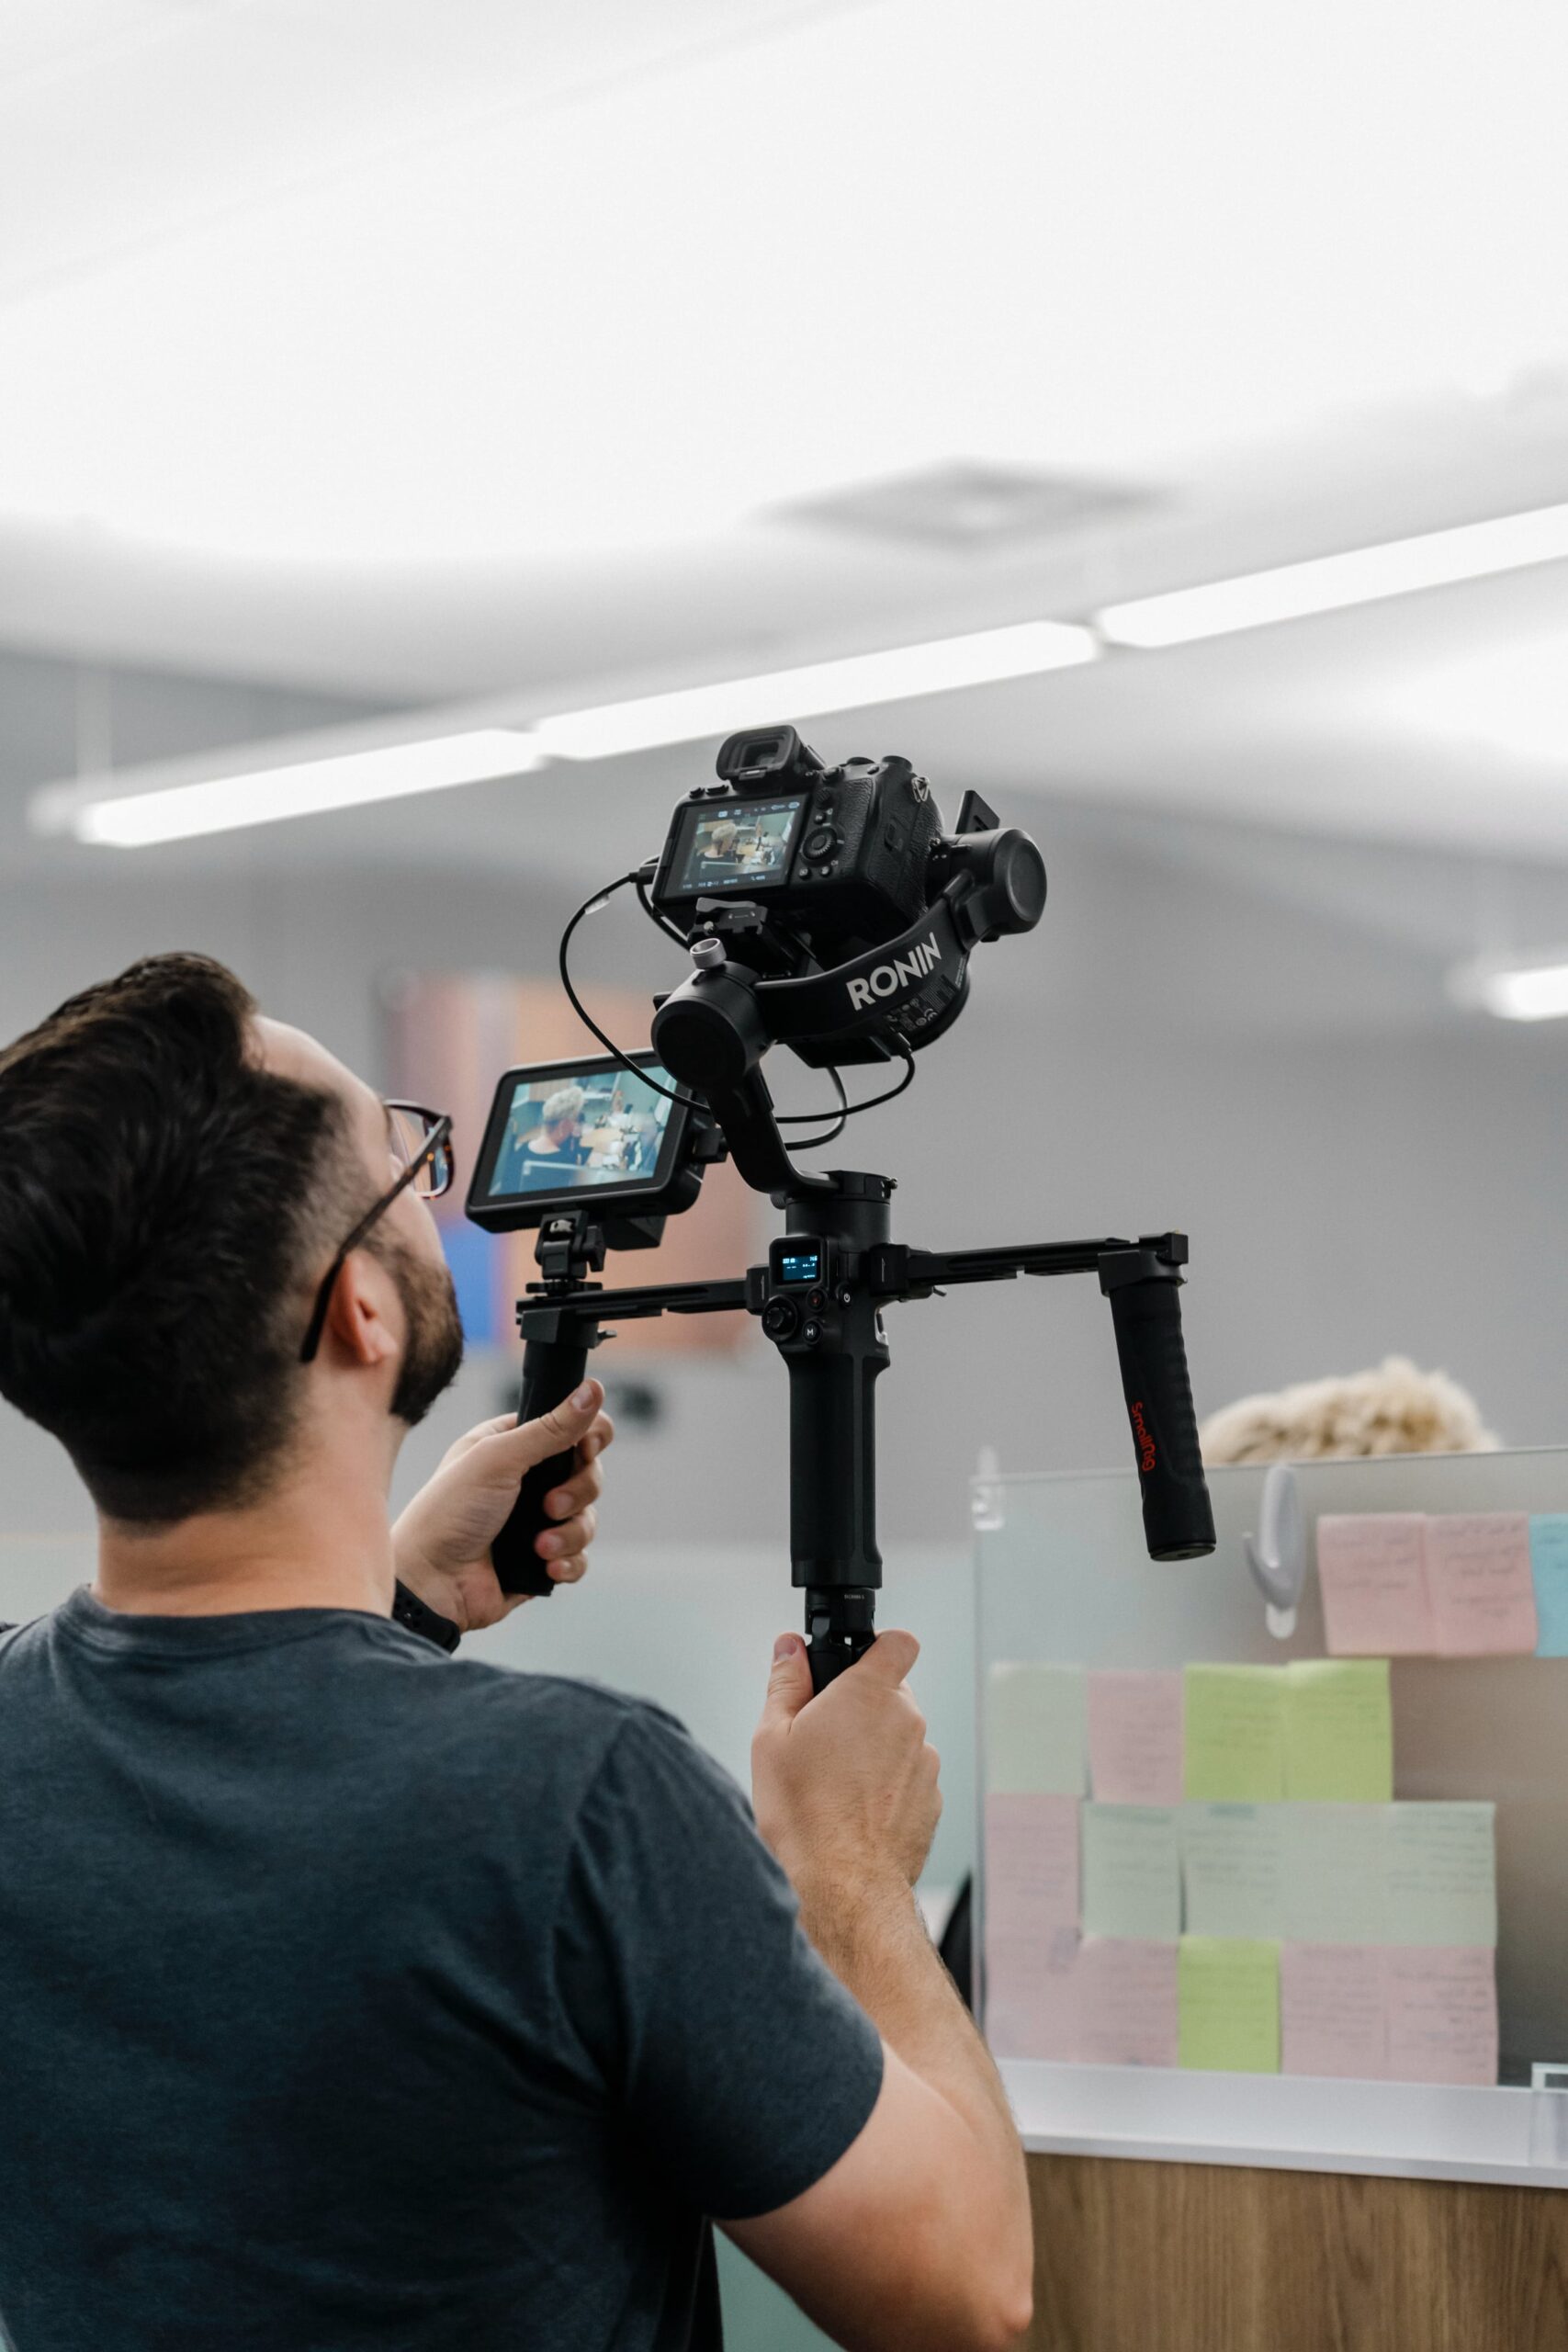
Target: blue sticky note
pixel 1548 1566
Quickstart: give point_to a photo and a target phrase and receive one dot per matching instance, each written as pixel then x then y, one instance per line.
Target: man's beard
pixel 433 1352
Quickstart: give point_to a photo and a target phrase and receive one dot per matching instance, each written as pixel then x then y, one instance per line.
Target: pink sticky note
pixel 1126 2012
pixel 1031 1924
pixel 1134 1738
pixel 1483 1591
pixel 1332 2006
pixel 1031 1997
pixel 1442 2013
pixel 1372 1568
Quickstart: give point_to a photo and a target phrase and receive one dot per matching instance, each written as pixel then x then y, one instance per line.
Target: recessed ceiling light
pixel 1514 988
pixel 1327 583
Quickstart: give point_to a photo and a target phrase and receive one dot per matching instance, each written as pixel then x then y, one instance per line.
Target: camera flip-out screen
pixel 737 845
pixel 564 1135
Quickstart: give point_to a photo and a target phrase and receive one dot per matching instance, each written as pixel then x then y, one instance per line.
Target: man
pixel 354 1995
pixel 554 1148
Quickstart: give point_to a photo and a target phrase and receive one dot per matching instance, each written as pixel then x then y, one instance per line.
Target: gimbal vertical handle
pixel 1145 1307
pixel 552 1368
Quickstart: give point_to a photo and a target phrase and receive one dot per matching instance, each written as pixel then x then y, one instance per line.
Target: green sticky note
pixel 1336 1869
pixel 1132 1871
pixel 1338 1731
pixel 1036 1743
pixel 1236 1735
pixel 1228 2005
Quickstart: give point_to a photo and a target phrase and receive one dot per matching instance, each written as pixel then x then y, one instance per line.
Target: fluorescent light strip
pixel 896 675
pixel 348 780
pixel 1329 583
pixel 1513 991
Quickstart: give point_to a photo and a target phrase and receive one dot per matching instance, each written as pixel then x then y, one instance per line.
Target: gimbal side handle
pixel 554 1362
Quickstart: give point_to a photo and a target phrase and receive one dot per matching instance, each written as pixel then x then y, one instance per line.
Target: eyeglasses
pixel 419 1143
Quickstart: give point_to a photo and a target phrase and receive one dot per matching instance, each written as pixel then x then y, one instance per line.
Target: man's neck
pixel 319 1544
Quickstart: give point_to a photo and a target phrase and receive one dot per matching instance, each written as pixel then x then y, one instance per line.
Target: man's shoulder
pixel 518 1712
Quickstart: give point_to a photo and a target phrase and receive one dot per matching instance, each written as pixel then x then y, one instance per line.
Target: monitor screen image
pixel 739 846
pixel 569 1131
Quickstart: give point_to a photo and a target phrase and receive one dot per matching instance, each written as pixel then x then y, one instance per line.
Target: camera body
pixel 845 852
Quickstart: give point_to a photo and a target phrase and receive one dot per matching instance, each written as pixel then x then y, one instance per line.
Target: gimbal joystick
pixel 849 863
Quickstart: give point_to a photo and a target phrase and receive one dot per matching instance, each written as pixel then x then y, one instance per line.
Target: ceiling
pixel 416 354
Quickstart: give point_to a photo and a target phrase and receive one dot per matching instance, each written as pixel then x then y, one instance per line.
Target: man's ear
pixel 364 1296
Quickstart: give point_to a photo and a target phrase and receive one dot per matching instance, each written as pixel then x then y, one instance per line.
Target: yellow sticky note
pixel 1228 2005
pixel 1338 1731
pixel 1236 1735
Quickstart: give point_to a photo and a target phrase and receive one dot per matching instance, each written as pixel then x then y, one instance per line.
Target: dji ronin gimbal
pixel 824 910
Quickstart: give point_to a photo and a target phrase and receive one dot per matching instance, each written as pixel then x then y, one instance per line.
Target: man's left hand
pixel 440 1544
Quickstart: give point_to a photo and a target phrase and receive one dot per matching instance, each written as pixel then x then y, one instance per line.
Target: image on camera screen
pixel 745 846
pixel 564 1133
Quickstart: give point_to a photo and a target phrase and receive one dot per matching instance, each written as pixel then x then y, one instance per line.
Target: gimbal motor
pixel 826 909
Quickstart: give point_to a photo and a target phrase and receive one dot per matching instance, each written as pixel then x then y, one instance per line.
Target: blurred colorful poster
pixel 448 1037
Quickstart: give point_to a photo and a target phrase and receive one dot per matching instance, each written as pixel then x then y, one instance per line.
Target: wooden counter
pixel 1179 2257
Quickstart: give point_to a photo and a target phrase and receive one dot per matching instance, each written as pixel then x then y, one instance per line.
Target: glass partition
pixel 1282 1888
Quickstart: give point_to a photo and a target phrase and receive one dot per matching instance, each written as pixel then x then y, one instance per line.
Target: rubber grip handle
pixel 1178 1522
pixel 551 1370
pixel 827 1661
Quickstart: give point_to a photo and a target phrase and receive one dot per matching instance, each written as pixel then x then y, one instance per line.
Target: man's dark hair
pixel 161 1210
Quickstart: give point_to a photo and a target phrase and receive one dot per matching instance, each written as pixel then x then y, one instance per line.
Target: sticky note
pixel 1228 2005
pixel 1132 1871
pixel 1443 1884
pixel 1125 2003
pixel 1442 2015
pixel 1331 2010
pixel 1032 1923
pixel 1338 1731
pixel 1233 1869
pixel 1034 1731
pixel 1235 1732
pixel 1336 1873
pixel 1549 1566
pixel 1134 1738
pixel 1478 1574
pixel 1372 1569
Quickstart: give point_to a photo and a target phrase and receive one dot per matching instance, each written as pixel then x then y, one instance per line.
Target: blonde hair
pixel 1394 1409
pixel 564 1103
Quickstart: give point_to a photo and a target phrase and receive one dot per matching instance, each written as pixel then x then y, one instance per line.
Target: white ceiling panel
pixel 422 352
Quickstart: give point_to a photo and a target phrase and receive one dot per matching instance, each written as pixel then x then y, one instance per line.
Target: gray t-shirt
pixel 353 1996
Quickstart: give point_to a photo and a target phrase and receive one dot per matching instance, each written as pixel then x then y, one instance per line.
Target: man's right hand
pixel 844 1784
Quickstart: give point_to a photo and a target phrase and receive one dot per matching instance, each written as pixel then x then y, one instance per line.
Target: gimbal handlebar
pixel 711 1034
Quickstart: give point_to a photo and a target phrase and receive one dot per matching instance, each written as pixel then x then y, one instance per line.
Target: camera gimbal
pixel 821 1296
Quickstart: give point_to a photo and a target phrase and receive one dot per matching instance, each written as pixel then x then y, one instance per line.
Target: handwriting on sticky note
pixel 1336 1873
pixel 1233 1869
pixel 1134 1738
pixel 1549 1566
pixel 1442 1881
pixel 1331 2010
pixel 1372 1569
pixel 1126 2003
pixel 1442 2015
pixel 1032 1866
pixel 1478 1574
pixel 1228 2005
pixel 1031 1930
pixel 1235 1732
pixel 1132 1871
pixel 1034 1731
pixel 1338 1731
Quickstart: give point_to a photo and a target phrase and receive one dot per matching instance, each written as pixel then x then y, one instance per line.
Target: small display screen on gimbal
pixel 568 1129
pixel 738 845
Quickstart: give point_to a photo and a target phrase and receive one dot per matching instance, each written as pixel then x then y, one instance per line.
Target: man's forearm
pixel 875 1940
